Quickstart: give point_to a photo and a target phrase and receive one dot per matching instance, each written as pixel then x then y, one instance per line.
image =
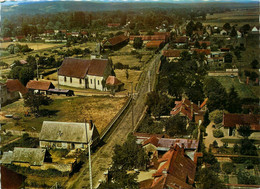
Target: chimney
pixel 90 124
pixel 247 80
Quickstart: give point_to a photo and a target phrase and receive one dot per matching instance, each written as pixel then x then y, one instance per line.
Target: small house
pixel 68 135
pixel 232 122
pixel 154 45
pixel 83 73
pixel 172 54
pixel 39 86
pixel 181 41
pixel 15 89
pixel 114 84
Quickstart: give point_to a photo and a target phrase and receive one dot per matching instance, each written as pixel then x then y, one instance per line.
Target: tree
pixel 228 58
pixel 197 45
pixel 209 179
pixel 244 131
pixel 234 104
pixel 34 101
pixel 244 177
pixel 216 116
pixel 175 125
pixel 206 120
pixel 158 103
pixel 228 167
pixel 138 43
pixel 248 148
pixel 190 28
pixel 216 94
pixel 254 64
pixel 233 32
pixel 253 76
pixel 226 26
pixel 204 45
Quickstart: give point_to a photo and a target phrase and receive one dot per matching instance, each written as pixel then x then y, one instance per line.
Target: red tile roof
pixel 113 24
pixel 79 68
pixel 15 85
pixel 172 53
pixel 112 80
pixel 185 107
pixel 205 51
pixel 154 44
pixel 39 85
pixel 150 37
pixel 232 120
pixel 23 61
pixel 179 166
pixel 152 140
pixel 116 40
pixel 206 42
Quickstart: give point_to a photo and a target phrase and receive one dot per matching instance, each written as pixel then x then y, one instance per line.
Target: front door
pixel 86 83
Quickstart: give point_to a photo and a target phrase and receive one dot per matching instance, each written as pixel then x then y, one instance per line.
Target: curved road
pixel 102 158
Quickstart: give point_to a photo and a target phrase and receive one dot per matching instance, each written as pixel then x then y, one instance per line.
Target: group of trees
pixel 17 48
pixel 126 157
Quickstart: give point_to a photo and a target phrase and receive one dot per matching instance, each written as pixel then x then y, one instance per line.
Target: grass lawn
pixel 66 109
pixel 4 53
pixel 35 46
pixel 229 140
pixel 243 90
pixel 133 77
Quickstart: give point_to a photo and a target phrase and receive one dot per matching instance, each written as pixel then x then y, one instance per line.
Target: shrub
pixel 216 116
pixel 228 167
pixel 249 164
pixel 215 144
pixel 218 133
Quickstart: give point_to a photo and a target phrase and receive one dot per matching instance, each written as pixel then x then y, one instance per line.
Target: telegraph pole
pixel 132 96
pixel 89 157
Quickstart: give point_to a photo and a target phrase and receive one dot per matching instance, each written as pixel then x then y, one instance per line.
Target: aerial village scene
pixel 128 94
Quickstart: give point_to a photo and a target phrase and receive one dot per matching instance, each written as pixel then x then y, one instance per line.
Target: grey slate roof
pixel 67 132
pixel 7 157
pixel 33 156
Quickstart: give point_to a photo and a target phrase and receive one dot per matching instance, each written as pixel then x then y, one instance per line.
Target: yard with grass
pixel 35 46
pixel 65 109
pixel 130 60
pixel 244 91
pixel 133 77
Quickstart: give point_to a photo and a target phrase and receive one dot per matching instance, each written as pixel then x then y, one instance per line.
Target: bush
pixel 215 144
pixel 218 133
pixel 119 65
pixel 228 167
pixel 216 116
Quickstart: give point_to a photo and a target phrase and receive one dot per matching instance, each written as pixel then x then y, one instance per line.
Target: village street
pixel 102 159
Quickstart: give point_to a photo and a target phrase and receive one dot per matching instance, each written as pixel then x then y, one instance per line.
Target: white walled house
pixel 81 73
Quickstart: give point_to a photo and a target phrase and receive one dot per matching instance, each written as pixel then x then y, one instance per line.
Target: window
pixel 65 79
pixel 98 82
pixel 80 81
pixel 71 79
pixel 91 81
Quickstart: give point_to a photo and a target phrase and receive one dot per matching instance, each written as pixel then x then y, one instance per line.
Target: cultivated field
pixel 239 17
pixel 35 46
pixel 130 60
pixel 66 109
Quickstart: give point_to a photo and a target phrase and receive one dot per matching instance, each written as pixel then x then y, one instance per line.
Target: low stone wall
pixel 20 133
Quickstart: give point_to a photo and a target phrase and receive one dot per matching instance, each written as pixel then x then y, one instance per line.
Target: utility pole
pixel 132 96
pixel 89 156
pixel 149 81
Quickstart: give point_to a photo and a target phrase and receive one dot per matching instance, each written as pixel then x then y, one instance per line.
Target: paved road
pixel 102 159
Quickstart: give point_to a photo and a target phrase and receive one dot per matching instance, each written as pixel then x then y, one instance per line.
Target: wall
pixel 61 145
pixel 3 94
pixel 75 82
pixel 13 95
pixel 95 82
pixel 222 73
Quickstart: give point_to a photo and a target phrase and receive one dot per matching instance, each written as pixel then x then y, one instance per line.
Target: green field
pixel 243 90
pixel 4 53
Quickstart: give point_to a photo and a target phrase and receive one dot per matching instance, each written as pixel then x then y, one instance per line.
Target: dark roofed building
pixel 84 73
pixel 114 84
pixel 68 135
pixel 32 156
pixel 154 44
pixel 172 54
pixel 39 86
pixel 232 122
pixel 116 42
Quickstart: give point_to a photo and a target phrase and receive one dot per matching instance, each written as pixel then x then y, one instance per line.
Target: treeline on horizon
pixel 147 19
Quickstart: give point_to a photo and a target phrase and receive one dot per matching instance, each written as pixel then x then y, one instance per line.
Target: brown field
pixel 35 46
pixel 133 77
pixel 66 109
pixel 130 60
pixel 239 17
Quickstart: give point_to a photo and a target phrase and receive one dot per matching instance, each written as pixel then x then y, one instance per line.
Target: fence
pixel 113 121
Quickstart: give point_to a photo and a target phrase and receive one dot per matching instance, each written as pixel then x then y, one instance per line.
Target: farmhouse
pixel 84 73
pixel 189 110
pixel 154 44
pixel 180 41
pixel 115 84
pixel 232 122
pixel 68 135
pixel 176 170
pixel 116 42
pixel 39 86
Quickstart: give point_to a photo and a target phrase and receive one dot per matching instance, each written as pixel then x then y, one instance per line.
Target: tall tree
pixel 233 104
pixel 34 101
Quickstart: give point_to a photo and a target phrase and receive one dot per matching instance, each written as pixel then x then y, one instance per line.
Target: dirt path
pixel 102 159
